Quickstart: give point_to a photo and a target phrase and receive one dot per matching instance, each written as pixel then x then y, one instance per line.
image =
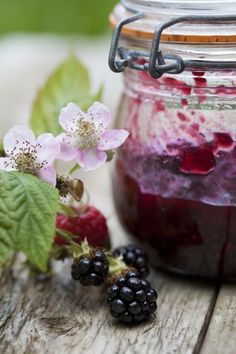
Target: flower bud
pixel 110 155
pixel 76 189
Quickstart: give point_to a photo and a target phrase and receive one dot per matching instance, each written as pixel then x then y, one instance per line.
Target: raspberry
pixel 89 224
pixel 90 269
pixel 131 298
pixel 133 256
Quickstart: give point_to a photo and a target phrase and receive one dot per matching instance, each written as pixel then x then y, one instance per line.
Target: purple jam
pixel 186 236
pixel 175 177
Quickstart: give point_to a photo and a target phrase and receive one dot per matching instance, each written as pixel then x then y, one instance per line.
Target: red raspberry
pixel 89 224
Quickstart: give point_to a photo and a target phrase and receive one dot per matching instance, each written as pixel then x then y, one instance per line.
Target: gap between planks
pixel 220 337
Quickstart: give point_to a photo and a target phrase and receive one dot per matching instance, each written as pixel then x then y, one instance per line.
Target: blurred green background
pixel 55 16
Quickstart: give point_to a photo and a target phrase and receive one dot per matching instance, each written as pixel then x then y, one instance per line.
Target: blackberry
pixel 131 298
pixel 135 257
pixel 90 269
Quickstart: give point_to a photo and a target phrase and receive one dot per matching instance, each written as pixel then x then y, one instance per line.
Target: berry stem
pixel 73 248
pixel 66 235
pixel 66 209
pixel 75 168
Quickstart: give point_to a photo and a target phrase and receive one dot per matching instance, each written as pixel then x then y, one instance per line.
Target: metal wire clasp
pixel 156 63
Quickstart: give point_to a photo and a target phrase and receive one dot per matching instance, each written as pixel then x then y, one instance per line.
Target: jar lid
pixel 197 27
pixel 156 12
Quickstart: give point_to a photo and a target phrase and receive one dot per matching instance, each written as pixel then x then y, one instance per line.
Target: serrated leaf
pixel 68 83
pixel 27 217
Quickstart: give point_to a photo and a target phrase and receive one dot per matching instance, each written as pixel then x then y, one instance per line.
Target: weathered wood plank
pixel 221 337
pixel 58 316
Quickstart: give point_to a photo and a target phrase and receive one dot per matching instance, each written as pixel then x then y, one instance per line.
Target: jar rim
pixel 201 32
pixel 181 5
pixel 130 31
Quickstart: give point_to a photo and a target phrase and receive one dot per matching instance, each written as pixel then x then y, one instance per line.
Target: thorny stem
pixel 66 235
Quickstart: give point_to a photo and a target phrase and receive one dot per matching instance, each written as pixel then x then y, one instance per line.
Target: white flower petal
pixel 112 139
pixel 48 174
pixel 17 136
pixel 91 159
pixel 6 164
pixel 68 151
pixel 47 147
pixel 70 116
pixel 100 115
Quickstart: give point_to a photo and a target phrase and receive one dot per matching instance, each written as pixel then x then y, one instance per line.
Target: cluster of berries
pixel 129 296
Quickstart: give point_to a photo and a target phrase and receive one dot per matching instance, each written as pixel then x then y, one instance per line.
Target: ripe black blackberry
pixel 135 257
pixel 131 298
pixel 91 268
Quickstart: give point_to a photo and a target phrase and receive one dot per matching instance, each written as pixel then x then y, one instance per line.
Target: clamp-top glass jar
pixel 175 177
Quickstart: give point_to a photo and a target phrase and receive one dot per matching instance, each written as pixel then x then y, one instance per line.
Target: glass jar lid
pixel 204 34
pixel 159 11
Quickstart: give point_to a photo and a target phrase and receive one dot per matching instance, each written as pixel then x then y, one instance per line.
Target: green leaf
pixel 5 252
pixel 27 217
pixel 68 83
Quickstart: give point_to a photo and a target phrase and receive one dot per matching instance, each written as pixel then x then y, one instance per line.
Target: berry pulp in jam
pixel 186 236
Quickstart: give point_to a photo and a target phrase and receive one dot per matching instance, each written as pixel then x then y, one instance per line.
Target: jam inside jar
pixel 175 177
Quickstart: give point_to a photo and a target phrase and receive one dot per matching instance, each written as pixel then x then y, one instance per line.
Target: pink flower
pixel 86 138
pixel 27 154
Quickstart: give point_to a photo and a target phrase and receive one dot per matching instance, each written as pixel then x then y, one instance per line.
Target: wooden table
pixel 58 316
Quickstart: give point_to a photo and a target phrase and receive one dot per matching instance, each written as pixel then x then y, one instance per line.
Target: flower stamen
pixel 88 134
pixel 24 159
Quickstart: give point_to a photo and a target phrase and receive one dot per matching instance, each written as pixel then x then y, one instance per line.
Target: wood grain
pixel 58 316
pixel 220 337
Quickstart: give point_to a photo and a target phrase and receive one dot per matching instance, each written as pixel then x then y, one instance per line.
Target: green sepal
pixel 116 265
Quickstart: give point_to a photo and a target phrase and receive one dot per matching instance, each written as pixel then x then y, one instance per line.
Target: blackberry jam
pixel 184 235
pixel 175 177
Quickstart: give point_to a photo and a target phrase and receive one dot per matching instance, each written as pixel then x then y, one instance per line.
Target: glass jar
pixel 175 177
